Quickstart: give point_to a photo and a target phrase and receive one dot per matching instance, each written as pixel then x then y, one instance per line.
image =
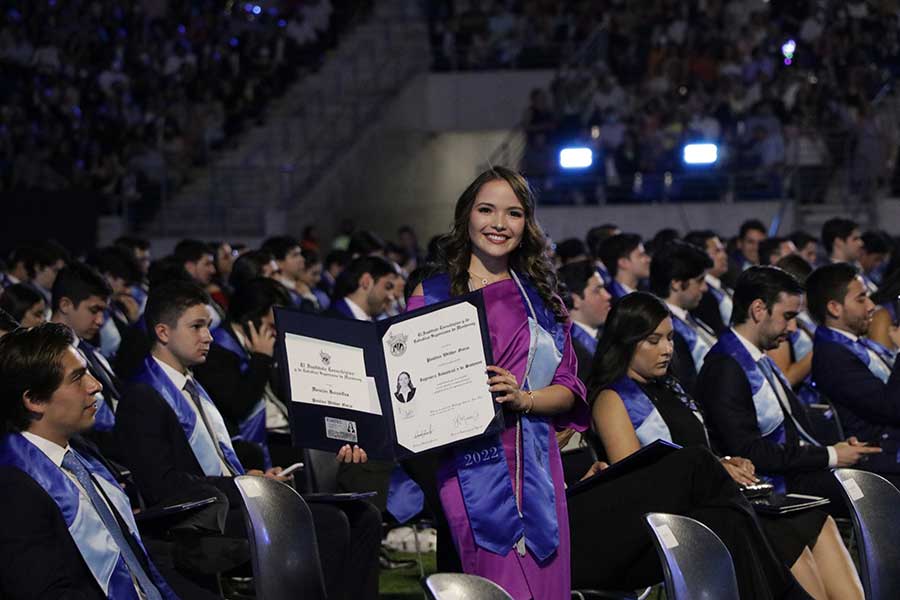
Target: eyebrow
pixel 77 374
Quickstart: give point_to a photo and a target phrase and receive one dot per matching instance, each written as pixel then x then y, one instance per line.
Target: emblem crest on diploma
pixel 408 384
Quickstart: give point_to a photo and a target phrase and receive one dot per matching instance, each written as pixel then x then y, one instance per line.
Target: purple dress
pixel 521 576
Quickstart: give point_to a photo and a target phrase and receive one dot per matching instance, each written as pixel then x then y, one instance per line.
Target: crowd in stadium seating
pixel 123 98
pixel 786 89
pixel 103 299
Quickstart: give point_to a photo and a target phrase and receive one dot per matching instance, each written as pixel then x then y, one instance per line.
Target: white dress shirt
pixel 358 313
pixel 591 331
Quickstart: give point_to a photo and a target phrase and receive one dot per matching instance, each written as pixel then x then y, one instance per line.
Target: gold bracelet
pixel 530 395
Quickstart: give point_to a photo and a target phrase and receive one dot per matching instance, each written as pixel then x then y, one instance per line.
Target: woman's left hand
pixel 504 383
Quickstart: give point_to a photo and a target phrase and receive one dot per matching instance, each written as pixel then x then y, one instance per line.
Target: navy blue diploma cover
pixel 323 427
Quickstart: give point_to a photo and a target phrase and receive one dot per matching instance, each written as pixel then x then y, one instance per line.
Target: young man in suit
pixel 80 301
pixel 750 409
pixel 199 260
pixel 588 303
pixel 70 531
pixel 751 233
pixel 678 276
pixel 626 261
pixel 715 304
pixel 174 439
pixel 858 375
pixel 594 239
pixel 289 257
pixel 842 240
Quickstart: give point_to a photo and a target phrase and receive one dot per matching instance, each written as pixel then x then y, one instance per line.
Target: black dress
pixel 789 534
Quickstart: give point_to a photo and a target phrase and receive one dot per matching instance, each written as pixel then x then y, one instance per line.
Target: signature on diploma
pixel 424 432
pixel 463 421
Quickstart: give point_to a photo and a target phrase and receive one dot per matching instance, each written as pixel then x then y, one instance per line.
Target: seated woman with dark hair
pixel 639 402
pixel 24 304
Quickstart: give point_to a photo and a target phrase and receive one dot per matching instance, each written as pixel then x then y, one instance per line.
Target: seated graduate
pixel 746 254
pixel 70 531
pixel 174 439
pixel 122 272
pixel 289 258
pixel 794 355
pixel 199 260
pixel 678 276
pixel 641 402
pixel 886 319
pixel 877 249
pixel 859 376
pixel 807 246
pixel 750 408
pixel 626 262
pixel 80 301
pixel 24 305
pixel 594 239
pixel 773 249
pixel 715 305
pixel 588 303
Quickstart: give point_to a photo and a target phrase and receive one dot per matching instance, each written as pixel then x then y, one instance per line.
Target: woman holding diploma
pixel 507 516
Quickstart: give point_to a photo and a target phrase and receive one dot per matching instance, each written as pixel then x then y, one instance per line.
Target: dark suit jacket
pixel 708 312
pixel 585 359
pixel 38 557
pixel 234 393
pixel 153 445
pixel 683 367
pixel 867 407
pixel 724 393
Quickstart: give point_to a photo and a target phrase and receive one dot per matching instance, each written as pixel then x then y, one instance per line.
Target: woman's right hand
pixel 740 469
pixel 262 340
pixel 595 468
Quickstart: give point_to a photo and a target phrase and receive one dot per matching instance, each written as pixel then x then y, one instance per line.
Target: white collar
pixel 678 311
pixel 179 379
pixel 288 283
pixel 713 281
pixel 591 331
pixel 845 334
pixel 755 352
pixel 54 451
pixel 358 313
pixel 625 287
pixel 13 279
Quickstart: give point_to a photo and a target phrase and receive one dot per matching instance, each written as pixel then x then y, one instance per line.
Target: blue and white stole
pixel 604 274
pixel 140 296
pixel 698 345
pixel 645 418
pixel 616 289
pixel 876 357
pixel 194 429
pixel 253 427
pixel 97 547
pixel 723 300
pixel 584 338
pixel 498 520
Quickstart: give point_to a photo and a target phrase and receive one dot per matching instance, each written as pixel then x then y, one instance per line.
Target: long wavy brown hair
pixel 530 258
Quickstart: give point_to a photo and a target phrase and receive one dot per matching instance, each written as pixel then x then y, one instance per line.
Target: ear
pixel 834 309
pixel 162 332
pixel 66 305
pixel 32 405
pixel 366 281
pixel 757 310
pixel 190 267
pixel 577 301
pixel 675 286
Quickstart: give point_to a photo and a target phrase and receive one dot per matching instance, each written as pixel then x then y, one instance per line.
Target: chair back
pixel 283 548
pixel 696 563
pixel 459 586
pixel 875 509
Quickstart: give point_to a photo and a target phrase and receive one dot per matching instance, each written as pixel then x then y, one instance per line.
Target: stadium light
pixel 701 154
pixel 577 157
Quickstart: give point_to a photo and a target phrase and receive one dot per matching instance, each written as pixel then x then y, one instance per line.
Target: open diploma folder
pixel 409 384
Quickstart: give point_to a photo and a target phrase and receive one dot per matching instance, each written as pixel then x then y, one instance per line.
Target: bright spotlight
pixel 576 158
pixel 701 154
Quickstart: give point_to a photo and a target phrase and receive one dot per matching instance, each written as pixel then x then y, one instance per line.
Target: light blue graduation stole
pixel 698 346
pixel 616 289
pixel 645 418
pixel 100 553
pixel 253 427
pixel 724 302
pixel 604 275
pixel 880 365
pixel 769 414
pixel 584 338
pixel 498 523
pixel 204 451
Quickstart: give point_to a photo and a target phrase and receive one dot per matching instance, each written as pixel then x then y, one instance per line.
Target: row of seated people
pixel 154 421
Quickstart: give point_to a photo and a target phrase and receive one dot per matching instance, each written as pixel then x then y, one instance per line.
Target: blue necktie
pixel 73 464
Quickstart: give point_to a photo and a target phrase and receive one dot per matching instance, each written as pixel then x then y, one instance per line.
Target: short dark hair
pixel 801 239
pixel 836 228
pixel 78 282
pixel 877 242
pixel 618 246
pixel 796 265
pixel 310 257
pixel 573 278
pixel 363 243
pixel 768 247
pixel 663 238
pixel 827 283
pixel 255 298
pixel 348 281
pixel 132 243
pixel 118 262
pixel 33 256
pixel 280 245
pixel 341 258
pixel 18 298
pixel 192 251
pixel 596 235
pixel 752 225
pixel 167 269
pixel 30 362
pixel 699 237
pixel 166 303
pixel 764 283
pixel 248 267
pixel 678 261
pixel 569 248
